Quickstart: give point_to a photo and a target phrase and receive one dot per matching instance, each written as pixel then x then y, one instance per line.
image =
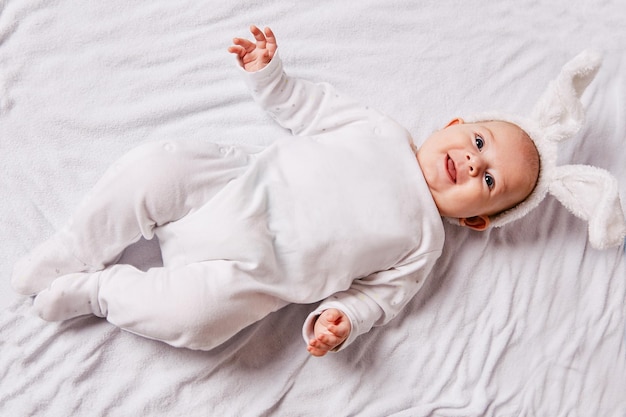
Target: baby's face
pixel 475 169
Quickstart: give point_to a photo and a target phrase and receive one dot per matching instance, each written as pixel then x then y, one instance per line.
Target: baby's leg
pixel 197 306
pixel 152 185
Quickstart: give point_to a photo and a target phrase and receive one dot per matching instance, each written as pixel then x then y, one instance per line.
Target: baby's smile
pixel 451 169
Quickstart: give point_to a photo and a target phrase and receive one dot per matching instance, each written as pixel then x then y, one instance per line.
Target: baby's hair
pixel 530 154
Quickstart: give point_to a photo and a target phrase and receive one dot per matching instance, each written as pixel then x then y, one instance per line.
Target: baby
pixel 349 213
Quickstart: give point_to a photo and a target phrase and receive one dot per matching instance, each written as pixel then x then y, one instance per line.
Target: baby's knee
pixel 148 172
pixel 191 327
pixel 148 158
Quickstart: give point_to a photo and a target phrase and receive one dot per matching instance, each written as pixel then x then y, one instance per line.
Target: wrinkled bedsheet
pixel 527 320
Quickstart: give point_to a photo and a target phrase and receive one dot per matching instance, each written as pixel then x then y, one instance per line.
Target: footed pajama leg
pixel 197 306
pixel 152 185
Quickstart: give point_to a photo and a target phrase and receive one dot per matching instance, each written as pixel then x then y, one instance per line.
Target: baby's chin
pixel 448 213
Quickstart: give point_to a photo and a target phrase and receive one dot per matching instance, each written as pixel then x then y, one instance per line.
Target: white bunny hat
pixel 588 192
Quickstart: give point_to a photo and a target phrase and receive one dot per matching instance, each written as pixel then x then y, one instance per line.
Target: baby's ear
pixel 457 121
pixel 479 223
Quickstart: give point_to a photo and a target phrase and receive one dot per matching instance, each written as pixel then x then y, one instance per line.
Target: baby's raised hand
pixel 255 56
pixel 331 329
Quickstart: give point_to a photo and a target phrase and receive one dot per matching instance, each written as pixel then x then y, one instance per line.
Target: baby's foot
pixel 69 296
pixel 48 261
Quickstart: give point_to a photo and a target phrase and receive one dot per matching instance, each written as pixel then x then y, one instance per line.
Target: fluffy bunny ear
pixel 559 112
pixel 591 194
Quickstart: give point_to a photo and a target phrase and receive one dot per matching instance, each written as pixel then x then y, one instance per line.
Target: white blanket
pixel 526 320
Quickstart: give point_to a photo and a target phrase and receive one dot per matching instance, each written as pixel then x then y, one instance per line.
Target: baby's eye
pixel 480 142
pixel 491 182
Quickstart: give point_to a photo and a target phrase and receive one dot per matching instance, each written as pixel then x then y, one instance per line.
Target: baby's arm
pixel 304 107
pixel 373 300
pixel 331 329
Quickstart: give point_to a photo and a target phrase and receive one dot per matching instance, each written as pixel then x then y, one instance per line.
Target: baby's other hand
pixel 255 56
pixel 331 329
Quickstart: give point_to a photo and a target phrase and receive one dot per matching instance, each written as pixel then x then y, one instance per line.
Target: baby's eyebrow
pixel 492 137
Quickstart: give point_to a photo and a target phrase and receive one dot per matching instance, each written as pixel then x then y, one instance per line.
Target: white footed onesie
pixel 341 213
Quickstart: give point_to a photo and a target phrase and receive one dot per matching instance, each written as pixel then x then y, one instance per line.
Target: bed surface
pixel 527 320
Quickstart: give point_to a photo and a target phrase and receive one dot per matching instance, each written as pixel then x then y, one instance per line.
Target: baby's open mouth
pixel 451 169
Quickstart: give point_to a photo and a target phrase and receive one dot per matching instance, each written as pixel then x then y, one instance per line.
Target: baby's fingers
pixel 237 50
pixel 341 330
pixel 271 41
pixel 244 44
pixel 259 36
pixel 330 340
pixel 269 35
pixel 331 316
pixel 317 348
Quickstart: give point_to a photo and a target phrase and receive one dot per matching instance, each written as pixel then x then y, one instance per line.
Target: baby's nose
pixel 474 163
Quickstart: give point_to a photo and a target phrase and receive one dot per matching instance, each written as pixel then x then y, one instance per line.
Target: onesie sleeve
pixel 375 299
pixel 304 107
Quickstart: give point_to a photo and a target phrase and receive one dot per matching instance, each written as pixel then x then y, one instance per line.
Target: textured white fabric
pixel 523 320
